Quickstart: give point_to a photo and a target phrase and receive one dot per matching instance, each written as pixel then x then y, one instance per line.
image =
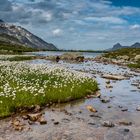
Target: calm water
pixel 55 53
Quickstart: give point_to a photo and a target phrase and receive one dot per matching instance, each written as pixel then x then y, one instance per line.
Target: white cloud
pixel 57 32
pixel 47 16
pixel 135 26
pixel 113 20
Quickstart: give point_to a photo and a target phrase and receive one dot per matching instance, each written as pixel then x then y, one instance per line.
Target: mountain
pixel 136 45
pixel 119 46
pixel 17 35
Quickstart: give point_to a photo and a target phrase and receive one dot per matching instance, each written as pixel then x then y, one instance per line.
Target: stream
pixel 72 121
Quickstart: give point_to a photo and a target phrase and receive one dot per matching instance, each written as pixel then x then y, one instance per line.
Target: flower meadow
pixel 24 84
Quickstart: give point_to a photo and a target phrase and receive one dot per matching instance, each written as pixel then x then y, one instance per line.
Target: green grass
pixel 22 85
pixel 136 65
pixel 8 48
pixel 131 52
pixel 21 58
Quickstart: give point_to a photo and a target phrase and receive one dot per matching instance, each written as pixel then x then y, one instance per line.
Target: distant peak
pixel 1 21
pixel 118 44
pixel 137 43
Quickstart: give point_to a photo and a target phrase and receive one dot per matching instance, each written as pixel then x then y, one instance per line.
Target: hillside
pixel 19 36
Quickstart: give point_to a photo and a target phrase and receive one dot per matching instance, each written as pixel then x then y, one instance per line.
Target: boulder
pixel 72 56
pixel 113 77
pixel 91 108
pixel 34 117
pixel 124 57
pixel 137 57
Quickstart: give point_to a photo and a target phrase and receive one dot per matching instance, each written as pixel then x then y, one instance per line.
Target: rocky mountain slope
pixel 17 35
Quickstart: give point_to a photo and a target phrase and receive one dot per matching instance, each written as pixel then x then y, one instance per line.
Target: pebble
pixel 42 121
pixel 56 123
pixel 138 108
pixel 104 99
pixel 91 108
pixel 125 122
pixel 124 109
pixel 126 130
pixel 108 124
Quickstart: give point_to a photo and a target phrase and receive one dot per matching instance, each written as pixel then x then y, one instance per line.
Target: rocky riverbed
pixel 112 116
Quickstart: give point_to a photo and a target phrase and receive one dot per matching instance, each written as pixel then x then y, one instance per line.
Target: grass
pixel 21 58
pixel 23 85
pixel 8 48
pixel 17 57
pixel 131 52
pixel 136 65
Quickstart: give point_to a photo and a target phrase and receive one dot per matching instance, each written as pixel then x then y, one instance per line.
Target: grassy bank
pixel 136 65
pixel 17 57
pixel 129 53
pixel 23 85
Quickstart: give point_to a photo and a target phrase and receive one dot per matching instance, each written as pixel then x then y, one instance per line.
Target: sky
pixel 77 24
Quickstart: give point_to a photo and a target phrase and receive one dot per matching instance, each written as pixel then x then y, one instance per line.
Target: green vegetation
pixel 21 58
pixel 136 65
pixel 8 48
pixel 17 57
pixel 23 85
pixel 131 52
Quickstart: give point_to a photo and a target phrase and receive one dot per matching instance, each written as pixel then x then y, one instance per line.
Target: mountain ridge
pixel 21 36
pixel 119 46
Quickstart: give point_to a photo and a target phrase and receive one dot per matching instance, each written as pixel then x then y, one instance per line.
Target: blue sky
pixel 77 24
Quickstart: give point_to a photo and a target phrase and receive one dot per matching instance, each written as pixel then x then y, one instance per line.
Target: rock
pixel 16 122
pixel 56 123
pixel 37 108
pixel 65 120
pixel 73 56
pixel 91 109
pixel 34 117
pixel 95 115
pixel 109 86
pixel 25 117
pixel 138 108
pixel 30 122
pixel 124 109
pixel 91 123
pixel 104 99
pixel 80 111
pixel 124 57
pixel 42 120
pixel 98 94
pixel 109 106
pixel 113 77
pixel 108 81
pixel 126 130
pixel 108 124
pixel 18 128
pixel 17 125
pixel 125 122
pixel 120 106
pixel 137 58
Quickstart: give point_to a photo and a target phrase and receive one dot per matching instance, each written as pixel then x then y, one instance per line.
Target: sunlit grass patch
pixel 17 57
pixel 23 85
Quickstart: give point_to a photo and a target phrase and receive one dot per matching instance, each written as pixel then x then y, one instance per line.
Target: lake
pixel 57 53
